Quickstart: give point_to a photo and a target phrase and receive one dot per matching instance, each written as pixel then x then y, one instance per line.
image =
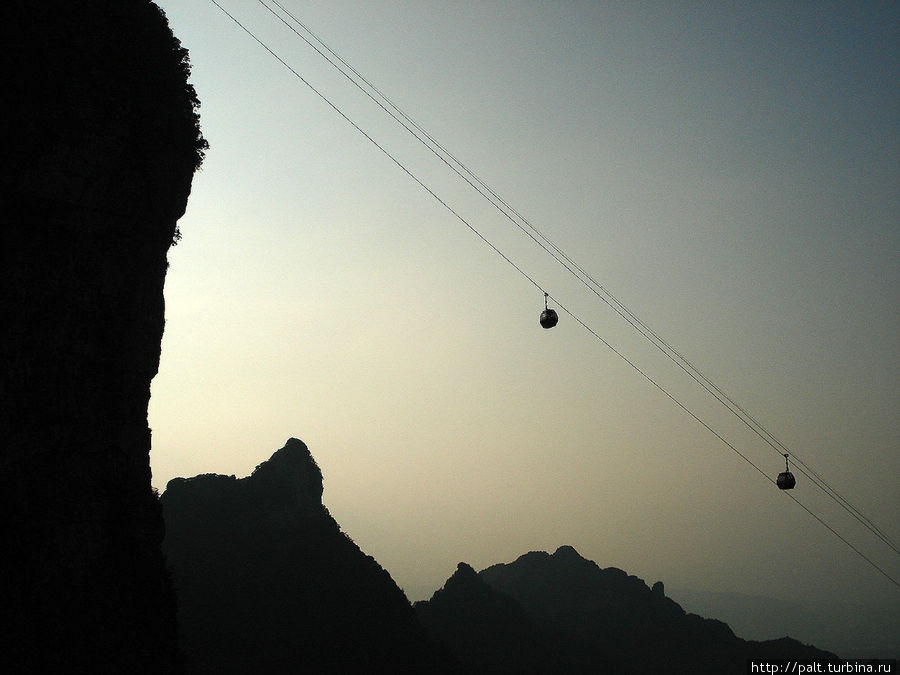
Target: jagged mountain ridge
pixel 267 582
pixel 596 620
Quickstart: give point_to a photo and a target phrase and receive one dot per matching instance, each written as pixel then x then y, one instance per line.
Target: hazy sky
pixel 729 171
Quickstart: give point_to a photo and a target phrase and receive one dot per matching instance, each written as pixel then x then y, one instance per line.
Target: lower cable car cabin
pixel 786 480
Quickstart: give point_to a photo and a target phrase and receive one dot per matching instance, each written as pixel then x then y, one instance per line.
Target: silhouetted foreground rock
pixel 573 617
pixel 267 582
pixel 100 145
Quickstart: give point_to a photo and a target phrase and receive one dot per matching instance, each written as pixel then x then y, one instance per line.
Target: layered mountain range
pixel 267 582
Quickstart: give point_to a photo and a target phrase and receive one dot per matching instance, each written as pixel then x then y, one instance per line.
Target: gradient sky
pixel 730 172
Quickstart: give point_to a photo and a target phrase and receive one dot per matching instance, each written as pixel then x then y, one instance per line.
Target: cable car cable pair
pixel 549 318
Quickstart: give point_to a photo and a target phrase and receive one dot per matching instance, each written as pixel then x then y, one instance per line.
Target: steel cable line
pixel 437 150
pixel 380 147
pixel 458 167
pixel 522 272
pixel 726 442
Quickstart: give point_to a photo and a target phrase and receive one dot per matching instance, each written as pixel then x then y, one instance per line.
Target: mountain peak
pixel 566 552
pixel 289 483
pixel 262 558
pixel 463 581
pixel 292 470
pixel 465 570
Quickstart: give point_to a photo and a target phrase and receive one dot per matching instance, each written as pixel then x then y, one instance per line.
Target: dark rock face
pixel 594 620
pixel 101 145
pixel 267 582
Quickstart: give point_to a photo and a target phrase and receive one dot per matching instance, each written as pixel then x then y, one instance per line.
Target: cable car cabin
pixel 785 481
pixel 549 318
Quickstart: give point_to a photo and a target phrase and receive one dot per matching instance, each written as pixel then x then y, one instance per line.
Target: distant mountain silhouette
pixel 852 629
pixel 578 618
pixel 267 582
pixel 487 630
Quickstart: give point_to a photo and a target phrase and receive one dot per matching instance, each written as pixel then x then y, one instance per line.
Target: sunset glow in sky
pixel 729 173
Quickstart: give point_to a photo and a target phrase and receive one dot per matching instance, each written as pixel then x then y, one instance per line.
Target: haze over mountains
pixel 266 581
pixel 852 630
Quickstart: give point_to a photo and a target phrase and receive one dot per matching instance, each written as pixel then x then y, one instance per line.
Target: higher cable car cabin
pixel 549 317
pixel 786 480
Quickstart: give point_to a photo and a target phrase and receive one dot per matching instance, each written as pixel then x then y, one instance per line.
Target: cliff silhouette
pixel 102 142
pixel 584 619
pixel 267 582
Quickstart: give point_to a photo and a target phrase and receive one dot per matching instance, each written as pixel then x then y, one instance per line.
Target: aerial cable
pixel 381 148
pixel 434 147
pixel 484 239
pixel 549 247
pixel 836 534
pixel 662 389
pixel 523 273
pixel 723 439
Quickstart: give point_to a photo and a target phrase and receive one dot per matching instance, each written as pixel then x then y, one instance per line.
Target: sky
pixel 728 171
